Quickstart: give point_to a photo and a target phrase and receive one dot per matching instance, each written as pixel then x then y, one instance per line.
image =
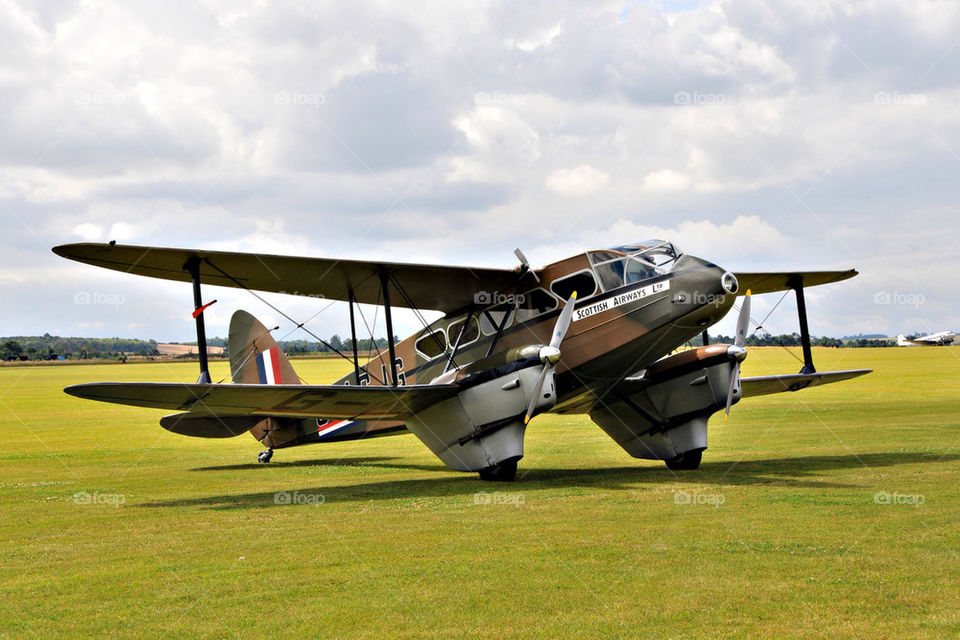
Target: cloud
pixel 748 132
pixel 666 180
pixel 579 181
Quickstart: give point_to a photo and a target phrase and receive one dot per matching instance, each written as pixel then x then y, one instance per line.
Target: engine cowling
pixel 662 413
pixel 483 425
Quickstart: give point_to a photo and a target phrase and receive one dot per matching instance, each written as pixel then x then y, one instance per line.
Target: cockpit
pixel 631 263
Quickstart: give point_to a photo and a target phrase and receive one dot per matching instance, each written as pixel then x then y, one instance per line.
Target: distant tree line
pixel 793 340
pixel 299 347
pixel 47 347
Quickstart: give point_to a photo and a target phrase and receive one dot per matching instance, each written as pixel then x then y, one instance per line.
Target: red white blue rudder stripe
pixel 268 366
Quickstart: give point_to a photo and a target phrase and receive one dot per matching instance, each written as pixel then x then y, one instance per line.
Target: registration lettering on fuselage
pixel 620 300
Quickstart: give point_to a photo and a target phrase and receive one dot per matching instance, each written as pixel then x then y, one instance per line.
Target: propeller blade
pixel 734 376
pixel 525 263
pixel 743 325
pixel 563 322
pixel 743 322
pixel 535 396
pixel 550 354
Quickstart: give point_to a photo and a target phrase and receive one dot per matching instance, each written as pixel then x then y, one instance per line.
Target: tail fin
pixel 255 357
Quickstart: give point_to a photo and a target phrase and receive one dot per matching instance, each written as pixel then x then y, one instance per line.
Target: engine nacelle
pixel 483 425
pixel 662 413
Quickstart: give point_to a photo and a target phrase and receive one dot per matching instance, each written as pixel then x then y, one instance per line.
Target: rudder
pixel 255 357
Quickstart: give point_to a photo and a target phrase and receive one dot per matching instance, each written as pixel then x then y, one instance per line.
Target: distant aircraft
pixel 468 383
pixel 933 340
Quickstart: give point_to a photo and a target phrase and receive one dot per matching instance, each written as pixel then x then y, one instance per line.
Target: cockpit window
pixel 638 269
pixel 608 267
pixel 633 263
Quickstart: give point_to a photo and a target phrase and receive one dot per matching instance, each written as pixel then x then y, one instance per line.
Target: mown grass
pixel 778 534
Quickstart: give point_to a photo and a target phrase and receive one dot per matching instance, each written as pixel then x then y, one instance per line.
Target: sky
pixel 761 135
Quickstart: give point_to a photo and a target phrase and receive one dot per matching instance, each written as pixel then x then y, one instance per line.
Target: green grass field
pixel 829 512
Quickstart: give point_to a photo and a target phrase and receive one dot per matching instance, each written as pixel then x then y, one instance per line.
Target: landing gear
pixel 688 461
pixel 506 471
pixel 264 456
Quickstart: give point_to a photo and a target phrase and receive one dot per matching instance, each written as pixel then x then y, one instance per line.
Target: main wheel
pixel 688 461
pixel 506 471
pixel 264 456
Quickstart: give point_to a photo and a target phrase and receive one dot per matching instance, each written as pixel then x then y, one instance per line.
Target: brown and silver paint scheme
pixel 597 351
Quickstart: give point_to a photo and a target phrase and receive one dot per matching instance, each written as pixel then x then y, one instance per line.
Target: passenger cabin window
pixel 470 335
pixel 582 282
pixel 535 303
pixel 432 344
pixel 491 318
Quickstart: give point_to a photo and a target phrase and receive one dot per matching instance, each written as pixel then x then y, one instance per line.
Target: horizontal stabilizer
pixel 770 282
pixel 204 426
pixel 765 385
pixel 293 400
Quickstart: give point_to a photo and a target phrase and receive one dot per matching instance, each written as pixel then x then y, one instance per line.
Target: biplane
pixel 594 334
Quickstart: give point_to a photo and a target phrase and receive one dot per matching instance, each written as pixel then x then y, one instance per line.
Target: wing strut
pixel 353 341
pixel 796 283
pixel 385 283
pixel 193 267
pixel 456 344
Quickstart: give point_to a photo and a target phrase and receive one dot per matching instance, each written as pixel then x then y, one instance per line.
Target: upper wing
pixel 289 400
pixel 419 286
pixel 783 280
pixel 763 385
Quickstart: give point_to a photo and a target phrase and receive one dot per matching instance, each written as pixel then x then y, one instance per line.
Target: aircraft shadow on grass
pixel 777 471
pixel 325 462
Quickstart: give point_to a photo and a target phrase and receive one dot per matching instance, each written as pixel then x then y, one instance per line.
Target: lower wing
pixel 292 401
pixel 765 385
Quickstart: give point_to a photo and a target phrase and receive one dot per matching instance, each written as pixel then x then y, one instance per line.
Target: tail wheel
pixel 506 471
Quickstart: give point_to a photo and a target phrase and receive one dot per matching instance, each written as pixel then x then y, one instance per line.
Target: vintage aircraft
pixel 940 339
pixel 588 334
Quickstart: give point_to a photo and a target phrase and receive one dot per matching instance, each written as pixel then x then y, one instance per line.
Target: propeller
pixel 524 263
pixel 738 351
pixel 550 354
